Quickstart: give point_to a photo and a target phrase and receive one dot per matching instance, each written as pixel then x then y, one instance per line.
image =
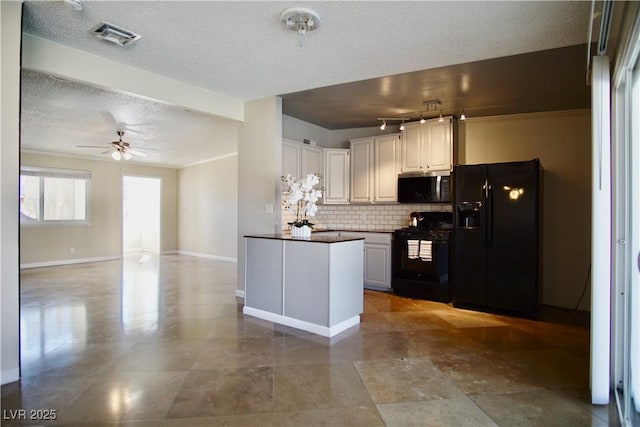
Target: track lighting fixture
pixel 440 119
pixel 402 125
pixel 388 119
pixel 422 120
pixel 462 116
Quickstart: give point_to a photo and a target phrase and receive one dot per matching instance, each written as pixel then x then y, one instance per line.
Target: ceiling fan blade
pixel 112 120
pixel 137 153
pixel 145 148
pixel 108 151
pixel 92 146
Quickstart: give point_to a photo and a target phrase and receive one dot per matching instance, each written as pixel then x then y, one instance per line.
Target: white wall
pixel 259 169
pixel 102 238
pixel 562 141
pixel 208 209
pixel 10 16
pixel 298 130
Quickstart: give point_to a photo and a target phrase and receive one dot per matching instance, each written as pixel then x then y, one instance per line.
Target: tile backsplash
pixel 387 217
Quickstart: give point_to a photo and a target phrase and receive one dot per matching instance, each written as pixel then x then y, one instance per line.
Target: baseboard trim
pixel 171 252
pixel 301 324
pixel 68 262
pixel 9 376
pixel 239 293
pixel 207 256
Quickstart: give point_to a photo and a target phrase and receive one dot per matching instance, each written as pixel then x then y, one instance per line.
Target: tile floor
pixel 153 342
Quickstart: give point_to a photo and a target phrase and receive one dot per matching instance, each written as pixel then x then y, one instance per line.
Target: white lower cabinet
pixel 377 263
pixel 377 258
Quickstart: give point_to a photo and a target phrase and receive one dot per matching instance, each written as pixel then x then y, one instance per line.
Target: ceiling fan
pixel 120 149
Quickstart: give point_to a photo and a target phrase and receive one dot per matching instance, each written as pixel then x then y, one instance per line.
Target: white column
pixel 600 232
pixel 10 16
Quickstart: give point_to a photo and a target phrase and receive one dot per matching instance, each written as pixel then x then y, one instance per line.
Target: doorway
pixel 141 215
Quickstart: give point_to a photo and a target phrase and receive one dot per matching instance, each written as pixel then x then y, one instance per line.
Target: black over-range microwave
pixel 424 188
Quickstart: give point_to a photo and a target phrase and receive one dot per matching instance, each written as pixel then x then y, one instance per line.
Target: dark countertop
pixel 314 238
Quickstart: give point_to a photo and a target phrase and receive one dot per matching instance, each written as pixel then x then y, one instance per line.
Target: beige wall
pixel 562 142
pixel 259 170
pixel 11 19
pixel 208 209
pixel 103 237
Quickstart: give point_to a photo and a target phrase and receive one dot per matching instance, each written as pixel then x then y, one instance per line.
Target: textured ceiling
pixel 59 115
pixel 241 50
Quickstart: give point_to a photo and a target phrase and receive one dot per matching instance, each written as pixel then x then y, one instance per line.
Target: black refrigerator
pixel 496 237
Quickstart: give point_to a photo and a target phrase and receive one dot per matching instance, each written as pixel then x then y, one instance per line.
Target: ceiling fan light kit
pixel 300 20
pixel 120 149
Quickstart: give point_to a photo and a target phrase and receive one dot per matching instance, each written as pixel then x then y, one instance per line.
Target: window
pixel 54 196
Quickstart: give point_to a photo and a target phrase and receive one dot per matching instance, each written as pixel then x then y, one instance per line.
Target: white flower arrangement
pixel 301 198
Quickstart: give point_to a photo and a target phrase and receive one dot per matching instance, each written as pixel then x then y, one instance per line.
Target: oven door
pixel 411 259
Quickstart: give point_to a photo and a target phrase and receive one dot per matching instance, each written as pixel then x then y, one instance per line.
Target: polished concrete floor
pixel 164 342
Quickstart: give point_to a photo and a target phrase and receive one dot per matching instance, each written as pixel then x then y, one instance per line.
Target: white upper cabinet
pixel 300 159
pixel 427 146
pixel 386 161
pixel 374 169
pixel 412 142
pixel 311 160
pixel 336 176
pixel 291 152
pixel 362 170
pixel 438 138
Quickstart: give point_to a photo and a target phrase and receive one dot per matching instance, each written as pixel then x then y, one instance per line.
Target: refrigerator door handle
pixel 485 199
pixel 489 215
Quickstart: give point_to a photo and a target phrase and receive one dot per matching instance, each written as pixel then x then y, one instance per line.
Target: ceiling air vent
pixel 114 34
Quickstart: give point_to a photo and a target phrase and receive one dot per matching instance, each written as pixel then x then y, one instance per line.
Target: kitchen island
pixel 314 284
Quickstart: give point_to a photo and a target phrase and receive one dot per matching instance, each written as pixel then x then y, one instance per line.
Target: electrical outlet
pixel 72 251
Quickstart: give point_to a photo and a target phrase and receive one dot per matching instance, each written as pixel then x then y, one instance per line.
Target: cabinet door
pixel 412 147
pixel 386 168
pixel 438 145
pixel 336 176
pixel 291 151
pixel 377 266
pixel 311 161
pixel 362 170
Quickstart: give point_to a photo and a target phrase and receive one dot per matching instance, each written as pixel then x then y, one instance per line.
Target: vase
pixel 303 232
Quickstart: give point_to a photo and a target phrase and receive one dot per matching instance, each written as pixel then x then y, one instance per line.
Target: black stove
pixel 432 234
pixel 420 267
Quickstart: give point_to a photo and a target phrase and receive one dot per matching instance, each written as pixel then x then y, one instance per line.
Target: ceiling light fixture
pixel 117 35
pixel 389 119
pixel 422 120
pixel 116 155
pixel 300 20
pixel 463 116
pixel 440 119
pixel 432 105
